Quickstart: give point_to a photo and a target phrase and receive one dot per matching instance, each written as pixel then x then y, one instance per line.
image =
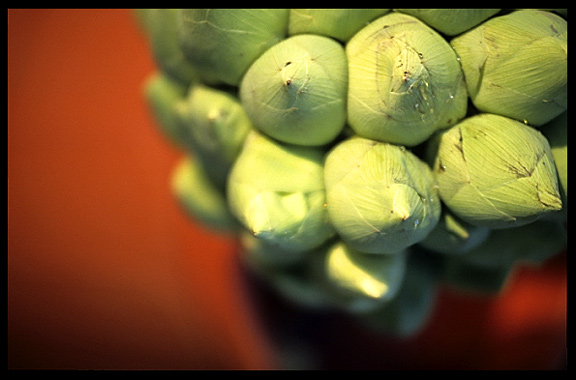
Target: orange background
pixel 104 270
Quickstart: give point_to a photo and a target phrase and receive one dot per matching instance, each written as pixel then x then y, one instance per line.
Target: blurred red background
pixel 104 270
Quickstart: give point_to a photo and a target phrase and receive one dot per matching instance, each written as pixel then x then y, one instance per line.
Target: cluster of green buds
pixel 364 158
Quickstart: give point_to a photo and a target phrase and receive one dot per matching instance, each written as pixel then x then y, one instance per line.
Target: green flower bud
pixel 216 125
pixel 162 95
pixel 222 43
pixel 200 199
pixel 162 32
pixel 516 65
pixel 277 192
pixel 296 91
pixel 340 24
pixel 381 197
pixel 409 311
pixel 531 244
pixel 405 81
pixel 454 236
pixel 361 275
pixel 495 172
pixel 451 21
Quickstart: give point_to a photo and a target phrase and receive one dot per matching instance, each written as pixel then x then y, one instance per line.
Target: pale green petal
pixel 516 65
pixel 496 172
pixel 381 198
pixel 358 274
pixel 405 81
pixel 277 192
pixel 296 91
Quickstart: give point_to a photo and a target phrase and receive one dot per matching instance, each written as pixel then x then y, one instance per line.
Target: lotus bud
pixel 405 81
pixel 277 192
pixel 516 65
pixel 381 197
pixel 495 172
pixel 340 24
pixel 408 312
pixel 454 236
pixel 556 132
pixel 358 275
pixel 296 91
pixel 451 21
pixel 162 32
pixel 531 244
pixel 222 43
pixel 163 94
pixel 199 198
pixel 217 126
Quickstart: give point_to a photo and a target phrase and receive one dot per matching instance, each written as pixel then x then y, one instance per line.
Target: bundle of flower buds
pixel 365 157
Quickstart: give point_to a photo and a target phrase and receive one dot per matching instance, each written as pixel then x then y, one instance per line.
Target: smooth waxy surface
pixel 496 172
pixel 517 65
pixel 296 91
pixel 381 197
pixel 405 81
pixel 277 192
pixel 372 276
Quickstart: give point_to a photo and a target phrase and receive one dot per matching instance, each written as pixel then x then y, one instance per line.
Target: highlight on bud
pixel 200 198
pixel 356 274
pixel 296 91
pixel 277 192
pixel 405 81
pixel 451 21
pixel 381 197
pixel 407 313
pixel 495 172
pixel 516 65
pixel 340 24
pixel 222 43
